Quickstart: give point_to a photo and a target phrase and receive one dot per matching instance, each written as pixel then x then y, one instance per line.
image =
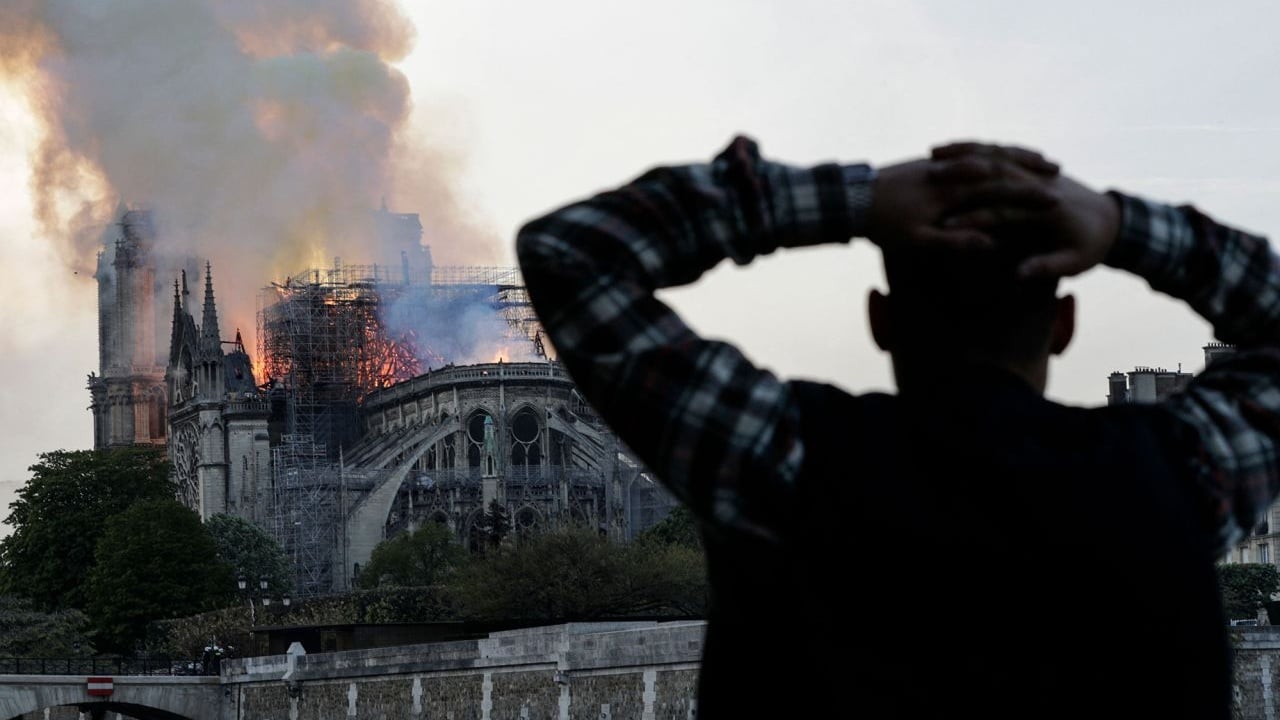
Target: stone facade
pixel 188 394
pixel 218 438
pixel 440 447
pixel 127 396
pixel 519 434
pixel 590 670
pixel 1257 673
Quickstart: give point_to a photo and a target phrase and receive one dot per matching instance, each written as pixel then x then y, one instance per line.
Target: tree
pixel 1246 587
pixel 59 515
pixel 576 574
pixel 664 579
pixel 250 552
pixel 677 528
pixel 426 556
pixel 491 528
pixel 154 561
pixel 27 632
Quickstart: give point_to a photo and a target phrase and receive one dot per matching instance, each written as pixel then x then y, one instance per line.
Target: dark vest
pixel 975 550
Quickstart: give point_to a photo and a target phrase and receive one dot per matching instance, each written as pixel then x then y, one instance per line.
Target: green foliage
pixel 187 637
pixel 404 604
pixel 577 574
pixel 677 528
pixel 670 579
pixel 154 561
pixel 491 528
pixel 27 632
pixel 427 556
pixel 574 574
pixel 60 513
pixel 250 552
pixel 1245 587
pixel 381 605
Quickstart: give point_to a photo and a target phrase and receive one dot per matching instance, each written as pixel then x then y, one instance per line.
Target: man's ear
pixel 1064 324
pixel 878 314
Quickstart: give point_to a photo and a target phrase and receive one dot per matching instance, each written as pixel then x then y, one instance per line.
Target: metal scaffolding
pixel 303 516
pixel 326 334
pixel 462 276
pixel 501 288
pixel 329 336
pixel 322 334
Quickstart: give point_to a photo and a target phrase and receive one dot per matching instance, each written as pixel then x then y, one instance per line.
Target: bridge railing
pixel 105 666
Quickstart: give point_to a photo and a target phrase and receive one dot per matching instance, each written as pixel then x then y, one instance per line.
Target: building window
pixel 1264 553
pixel 475 433
pixel 526 449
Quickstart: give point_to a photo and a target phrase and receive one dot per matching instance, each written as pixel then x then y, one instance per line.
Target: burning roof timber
pixel 330 336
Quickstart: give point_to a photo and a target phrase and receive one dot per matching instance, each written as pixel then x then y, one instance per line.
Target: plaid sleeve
pixel 1231 278
pixel 721 433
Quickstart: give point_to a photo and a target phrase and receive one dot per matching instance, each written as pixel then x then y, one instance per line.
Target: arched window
pixel 528 521
pixel 526 448
pixel 448 453
pixel 475 438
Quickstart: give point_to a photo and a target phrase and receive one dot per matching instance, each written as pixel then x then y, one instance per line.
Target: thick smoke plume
pixel 462 329
pixel 261 133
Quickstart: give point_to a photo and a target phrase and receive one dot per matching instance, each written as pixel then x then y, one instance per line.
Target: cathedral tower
pixel 218 421
pixel 127 394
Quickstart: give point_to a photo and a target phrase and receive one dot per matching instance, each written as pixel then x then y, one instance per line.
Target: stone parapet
pixel 615 669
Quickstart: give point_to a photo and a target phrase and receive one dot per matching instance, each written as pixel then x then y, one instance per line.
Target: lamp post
pixel 264 585
pixel 243 585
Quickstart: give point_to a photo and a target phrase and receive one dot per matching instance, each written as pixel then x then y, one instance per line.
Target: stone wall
pixel 595 671
pixel 640 670
pixel 589 671
pixel 1257 672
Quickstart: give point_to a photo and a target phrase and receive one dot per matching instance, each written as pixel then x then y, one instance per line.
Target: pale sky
pixel 549 101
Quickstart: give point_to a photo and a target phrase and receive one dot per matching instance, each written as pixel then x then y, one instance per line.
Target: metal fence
pixel 105 666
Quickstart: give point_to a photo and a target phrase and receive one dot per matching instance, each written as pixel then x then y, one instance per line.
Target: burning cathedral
pixel 378 397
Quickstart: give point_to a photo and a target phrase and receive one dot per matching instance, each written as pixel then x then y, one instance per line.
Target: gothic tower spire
pixel 210 337
pixel 177 309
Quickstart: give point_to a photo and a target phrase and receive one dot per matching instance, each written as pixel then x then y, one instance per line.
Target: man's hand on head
pixel 1079 228
pixel 910 200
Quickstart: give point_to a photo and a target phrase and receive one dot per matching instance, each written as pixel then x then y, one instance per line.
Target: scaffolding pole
pixel 327 338
pixel 303 513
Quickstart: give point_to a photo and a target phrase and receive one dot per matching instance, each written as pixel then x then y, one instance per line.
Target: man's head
pixel 947 307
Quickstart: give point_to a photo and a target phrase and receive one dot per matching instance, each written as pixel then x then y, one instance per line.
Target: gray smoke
pixel 456 328
pixel 260 133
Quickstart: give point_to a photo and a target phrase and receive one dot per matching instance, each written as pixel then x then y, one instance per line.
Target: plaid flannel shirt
pixel 724 435
pixel 1232 279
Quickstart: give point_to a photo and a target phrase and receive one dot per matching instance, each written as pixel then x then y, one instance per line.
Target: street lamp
pixel 285 600
pixel 264 585
pixel 243 584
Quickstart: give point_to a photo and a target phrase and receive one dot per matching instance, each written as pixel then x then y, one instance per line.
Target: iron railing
pixel 105 666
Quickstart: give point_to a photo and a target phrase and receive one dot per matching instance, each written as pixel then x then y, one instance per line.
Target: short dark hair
pixel 968 303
